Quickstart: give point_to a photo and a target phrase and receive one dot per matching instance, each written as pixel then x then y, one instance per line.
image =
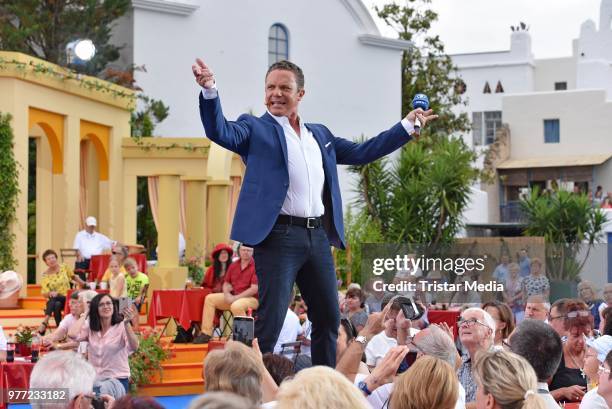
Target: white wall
pixel 584 119
pixel 551 70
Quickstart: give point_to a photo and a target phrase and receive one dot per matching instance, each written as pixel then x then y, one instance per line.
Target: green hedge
pixel 9 190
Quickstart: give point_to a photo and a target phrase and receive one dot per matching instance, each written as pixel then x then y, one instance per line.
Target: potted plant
pixel 195 269
pixel 145 363
pixel 23 340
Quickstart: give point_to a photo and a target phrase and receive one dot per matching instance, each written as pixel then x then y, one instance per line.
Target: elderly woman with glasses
pixel 110 338
pixel 569 382
pixel 476 333
pixel 605 380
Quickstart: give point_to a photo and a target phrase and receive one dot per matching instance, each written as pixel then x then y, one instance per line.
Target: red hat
pixel 220 247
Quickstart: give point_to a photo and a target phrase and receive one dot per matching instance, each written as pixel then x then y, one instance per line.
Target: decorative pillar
pixel 167 273
pixel 218 212
pixel 195 213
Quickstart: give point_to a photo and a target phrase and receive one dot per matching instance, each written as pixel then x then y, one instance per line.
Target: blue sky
pixel 484 25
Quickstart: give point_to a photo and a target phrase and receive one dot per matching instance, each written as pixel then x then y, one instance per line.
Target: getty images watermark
pixel 459 274
pixel 409 266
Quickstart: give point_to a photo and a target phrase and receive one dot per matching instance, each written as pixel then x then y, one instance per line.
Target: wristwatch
pixel 361 339
pixel 363 387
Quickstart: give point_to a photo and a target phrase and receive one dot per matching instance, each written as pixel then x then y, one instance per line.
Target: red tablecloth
pixel 14 375
pixel 182 305
pixel 99 264
pixel 69 293
pixel 448 316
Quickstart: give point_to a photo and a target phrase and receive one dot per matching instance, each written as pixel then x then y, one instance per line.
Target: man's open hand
pixel 203 75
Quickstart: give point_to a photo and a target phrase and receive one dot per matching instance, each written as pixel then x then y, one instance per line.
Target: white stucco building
pixel 352 72
pixel 558 112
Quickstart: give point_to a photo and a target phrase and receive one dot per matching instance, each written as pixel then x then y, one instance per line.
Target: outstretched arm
pixel 351 153
pixel 233 136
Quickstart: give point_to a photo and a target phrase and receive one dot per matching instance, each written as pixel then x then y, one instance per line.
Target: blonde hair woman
pixel 320 387
pixel 505 381
pixel 236 369
pixel 413 389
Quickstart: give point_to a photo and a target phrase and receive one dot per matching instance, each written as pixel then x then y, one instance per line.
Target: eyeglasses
pixel 470 322
pixel 582 313
pixel 551 318
pixel 603 369
pixel 106 304
pixel 410 341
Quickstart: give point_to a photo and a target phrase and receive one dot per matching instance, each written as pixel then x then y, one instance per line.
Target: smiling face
pixel 105 307
pixel 282 93
pixel 51 260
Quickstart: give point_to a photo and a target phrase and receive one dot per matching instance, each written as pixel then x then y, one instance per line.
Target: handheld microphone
pixel 419 101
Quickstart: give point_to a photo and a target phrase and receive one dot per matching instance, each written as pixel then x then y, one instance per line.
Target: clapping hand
pixel 203 75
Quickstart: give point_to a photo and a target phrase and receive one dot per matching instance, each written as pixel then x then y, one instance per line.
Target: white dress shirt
pixel 91 244
pixel 305 166
pixel 289 332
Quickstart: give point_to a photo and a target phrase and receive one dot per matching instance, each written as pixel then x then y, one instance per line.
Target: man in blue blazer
pixel 290 209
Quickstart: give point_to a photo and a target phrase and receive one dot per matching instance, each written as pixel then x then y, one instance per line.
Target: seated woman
pixel 10 284
pixel 120 253
pixel 58 339
pixel 221 258
pixel 55 284
pixel 110 338
pixel 354 308
pixel 569 383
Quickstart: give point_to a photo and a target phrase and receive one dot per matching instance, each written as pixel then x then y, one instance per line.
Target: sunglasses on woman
pixel 581 313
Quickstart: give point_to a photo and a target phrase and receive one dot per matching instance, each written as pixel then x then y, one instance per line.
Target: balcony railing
pixel 511 213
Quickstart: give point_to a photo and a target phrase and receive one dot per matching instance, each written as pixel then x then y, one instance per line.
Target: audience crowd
pixel 516 351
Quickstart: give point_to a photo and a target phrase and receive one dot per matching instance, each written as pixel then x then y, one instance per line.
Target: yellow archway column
pixel 71 180
pixel 218 169
pixel 167 273
pixel 218 205
pixel 195 214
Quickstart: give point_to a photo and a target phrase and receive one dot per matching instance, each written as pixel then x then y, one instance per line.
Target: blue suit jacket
pixel 261 144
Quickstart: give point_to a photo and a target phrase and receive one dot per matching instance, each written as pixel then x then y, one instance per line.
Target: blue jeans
pixel 292 254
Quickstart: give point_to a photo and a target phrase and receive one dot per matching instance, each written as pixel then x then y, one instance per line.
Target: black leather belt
pixel 307 222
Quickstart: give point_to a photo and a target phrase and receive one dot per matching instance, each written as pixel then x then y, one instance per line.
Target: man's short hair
pixel 540 345
pixel 438 344
pixel 62 369
pixel 560 305
pixel 289 66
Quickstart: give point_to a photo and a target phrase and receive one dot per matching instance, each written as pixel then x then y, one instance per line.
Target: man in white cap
pixel 89 242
